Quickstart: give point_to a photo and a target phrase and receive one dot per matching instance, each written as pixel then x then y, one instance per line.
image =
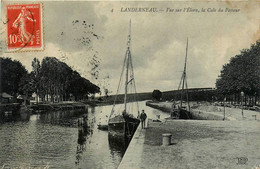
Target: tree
pixel 59 81
pixel 242 73
pixel 26 86
pixel 11 73
pixel 106 92
pixel 36 76
pixel 157 94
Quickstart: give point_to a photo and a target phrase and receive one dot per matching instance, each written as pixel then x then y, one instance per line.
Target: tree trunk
pixel 43 98
pixel 37 99
pixel 26 96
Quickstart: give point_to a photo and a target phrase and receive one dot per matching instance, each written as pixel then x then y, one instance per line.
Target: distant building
pixel 6 98
pixel 23 99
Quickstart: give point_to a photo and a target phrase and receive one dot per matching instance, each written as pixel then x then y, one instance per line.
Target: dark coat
pixel 143 116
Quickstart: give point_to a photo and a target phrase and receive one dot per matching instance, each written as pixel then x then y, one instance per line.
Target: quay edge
pixel 196 114
pixel 133 155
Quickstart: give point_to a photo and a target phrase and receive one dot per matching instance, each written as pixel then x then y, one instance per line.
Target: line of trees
pixel 50 80
pixel 240 78
pixel 194 94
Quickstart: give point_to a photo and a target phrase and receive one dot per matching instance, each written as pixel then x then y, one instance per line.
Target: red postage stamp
pixel 24 27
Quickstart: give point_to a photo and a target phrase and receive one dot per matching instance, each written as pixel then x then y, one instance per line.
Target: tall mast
pixel 184 72
pixel 128 54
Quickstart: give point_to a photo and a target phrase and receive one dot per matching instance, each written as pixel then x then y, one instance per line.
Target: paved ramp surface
pixel 133 155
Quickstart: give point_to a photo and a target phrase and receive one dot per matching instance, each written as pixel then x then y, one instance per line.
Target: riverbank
pixel 207 111
pixel 72 105
pixel 66 105
pixel 195 144
pixel 9 107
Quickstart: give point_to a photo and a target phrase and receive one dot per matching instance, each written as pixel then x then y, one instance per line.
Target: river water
pixel 55 140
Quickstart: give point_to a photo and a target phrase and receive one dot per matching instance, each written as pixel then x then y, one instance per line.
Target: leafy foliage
pixel 157 94
pixel 12 72
pixel 242 73
pixel 58 79
pixel 49 78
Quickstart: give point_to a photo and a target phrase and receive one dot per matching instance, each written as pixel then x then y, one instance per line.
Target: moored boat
pixel 124 124
pixel 178 110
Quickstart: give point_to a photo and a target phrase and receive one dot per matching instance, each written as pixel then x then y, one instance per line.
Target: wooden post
pixel 242 95
pixel 224 108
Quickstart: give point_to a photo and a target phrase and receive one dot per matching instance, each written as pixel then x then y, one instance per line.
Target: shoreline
pixel 208 111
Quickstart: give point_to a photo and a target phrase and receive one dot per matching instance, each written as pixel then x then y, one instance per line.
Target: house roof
pixel 5 95
pixel 19 97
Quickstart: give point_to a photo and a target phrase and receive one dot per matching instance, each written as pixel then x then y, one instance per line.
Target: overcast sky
pixel 158 40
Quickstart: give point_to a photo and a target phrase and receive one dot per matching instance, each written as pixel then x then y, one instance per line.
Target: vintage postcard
pixel 130 84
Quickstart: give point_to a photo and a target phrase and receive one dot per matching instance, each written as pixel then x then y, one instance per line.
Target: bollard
pixel 166 140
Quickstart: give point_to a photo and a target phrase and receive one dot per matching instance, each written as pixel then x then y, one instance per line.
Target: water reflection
pixel 62 118
pixel 62 139
pixel 12 116
pixel 117 145
pixel 85 130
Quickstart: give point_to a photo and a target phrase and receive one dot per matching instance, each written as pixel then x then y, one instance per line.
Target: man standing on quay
pixel 143 116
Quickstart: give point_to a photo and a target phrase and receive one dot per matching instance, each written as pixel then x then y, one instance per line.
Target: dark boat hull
pixel 185 114
pixel 180 113
pixel 122 127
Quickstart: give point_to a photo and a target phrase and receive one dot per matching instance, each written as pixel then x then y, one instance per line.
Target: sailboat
pixel 180 111
pixel 124 124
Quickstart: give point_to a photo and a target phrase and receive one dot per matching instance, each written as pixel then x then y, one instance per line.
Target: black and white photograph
pixel 129 84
